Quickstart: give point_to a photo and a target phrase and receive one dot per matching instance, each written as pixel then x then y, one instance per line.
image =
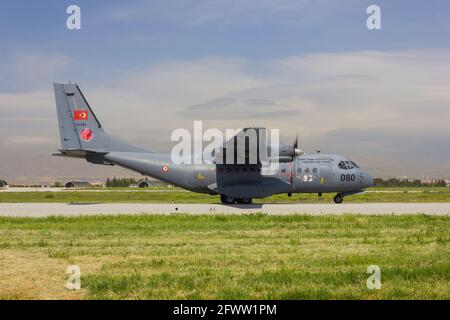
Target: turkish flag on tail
pixel 81 114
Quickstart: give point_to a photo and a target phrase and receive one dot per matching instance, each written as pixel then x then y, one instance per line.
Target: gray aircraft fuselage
pixel 308 173
pixel 82 136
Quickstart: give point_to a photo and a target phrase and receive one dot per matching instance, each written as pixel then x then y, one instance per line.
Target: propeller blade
pixel 297 151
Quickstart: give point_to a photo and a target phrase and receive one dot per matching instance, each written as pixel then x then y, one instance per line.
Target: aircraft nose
pixel 368 180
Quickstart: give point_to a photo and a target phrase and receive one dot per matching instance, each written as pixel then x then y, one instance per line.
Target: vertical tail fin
pixel 79 128
pixel 78 125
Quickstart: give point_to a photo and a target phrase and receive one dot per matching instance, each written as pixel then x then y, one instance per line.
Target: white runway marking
pixel 64 209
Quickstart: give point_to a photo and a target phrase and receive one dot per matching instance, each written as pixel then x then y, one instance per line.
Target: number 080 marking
pixel 347 177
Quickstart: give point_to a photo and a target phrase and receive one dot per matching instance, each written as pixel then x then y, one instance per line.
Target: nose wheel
pixel 338 198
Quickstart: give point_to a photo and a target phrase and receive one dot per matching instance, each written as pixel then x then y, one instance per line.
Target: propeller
pixel 296 151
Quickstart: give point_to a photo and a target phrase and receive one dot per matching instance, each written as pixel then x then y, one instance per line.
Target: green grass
pixel 238 257
pixel 178 196
pixel 423 189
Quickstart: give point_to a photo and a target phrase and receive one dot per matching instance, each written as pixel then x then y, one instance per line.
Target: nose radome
pixel 368 180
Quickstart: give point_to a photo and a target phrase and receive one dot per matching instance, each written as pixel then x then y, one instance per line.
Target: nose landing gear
pixel 338 198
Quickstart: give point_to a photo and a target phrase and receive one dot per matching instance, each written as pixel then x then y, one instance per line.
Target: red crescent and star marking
pixel 81 115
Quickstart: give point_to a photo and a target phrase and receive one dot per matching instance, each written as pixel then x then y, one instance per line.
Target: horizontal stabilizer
pixel 90 155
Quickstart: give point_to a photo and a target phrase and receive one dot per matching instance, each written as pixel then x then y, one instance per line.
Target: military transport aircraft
pixel 82 136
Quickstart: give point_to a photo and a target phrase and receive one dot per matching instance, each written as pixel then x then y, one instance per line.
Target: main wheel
pixel 338 198
pixel 245 200
pixel 226 199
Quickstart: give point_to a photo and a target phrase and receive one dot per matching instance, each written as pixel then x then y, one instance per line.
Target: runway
pixel 64 209
pixel 53 189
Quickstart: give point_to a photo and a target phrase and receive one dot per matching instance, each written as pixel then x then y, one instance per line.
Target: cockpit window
pixel 346 165
pixel 354 164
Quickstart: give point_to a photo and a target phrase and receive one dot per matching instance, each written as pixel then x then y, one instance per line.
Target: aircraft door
pixel 326 176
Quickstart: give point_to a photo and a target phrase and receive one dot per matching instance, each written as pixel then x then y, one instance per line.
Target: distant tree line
pixel 393 182
pixel 120 182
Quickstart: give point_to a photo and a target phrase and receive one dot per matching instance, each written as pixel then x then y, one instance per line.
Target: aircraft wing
pixel 248 146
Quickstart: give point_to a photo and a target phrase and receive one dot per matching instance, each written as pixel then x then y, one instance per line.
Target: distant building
pixel 143 184
pixel 435 181
pixel 151 183
pixel 97 184
pixel 405 179
pixel 77 184
pixel 3 184
pixel 427 180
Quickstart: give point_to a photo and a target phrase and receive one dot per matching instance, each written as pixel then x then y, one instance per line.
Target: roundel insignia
pixel 87 134
pixel 165 168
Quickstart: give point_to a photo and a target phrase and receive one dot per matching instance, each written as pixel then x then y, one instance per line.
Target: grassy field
pixel 226 257
pixel 180 196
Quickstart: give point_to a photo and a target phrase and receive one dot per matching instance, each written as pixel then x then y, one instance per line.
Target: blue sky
pixel 146 65
pixel 120 35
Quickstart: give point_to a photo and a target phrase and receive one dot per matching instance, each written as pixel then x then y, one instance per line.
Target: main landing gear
pixel 338 198
pixel 230 200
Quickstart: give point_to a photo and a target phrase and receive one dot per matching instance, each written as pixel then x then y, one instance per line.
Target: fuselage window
pixel 349 166
pixel 315 170
pixel 299 170
pixel 307 170
pixel 342 165
pixel 283 170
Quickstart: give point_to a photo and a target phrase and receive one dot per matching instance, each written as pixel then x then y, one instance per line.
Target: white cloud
pixel 332 100
pixel 29 69
pixel 25 141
